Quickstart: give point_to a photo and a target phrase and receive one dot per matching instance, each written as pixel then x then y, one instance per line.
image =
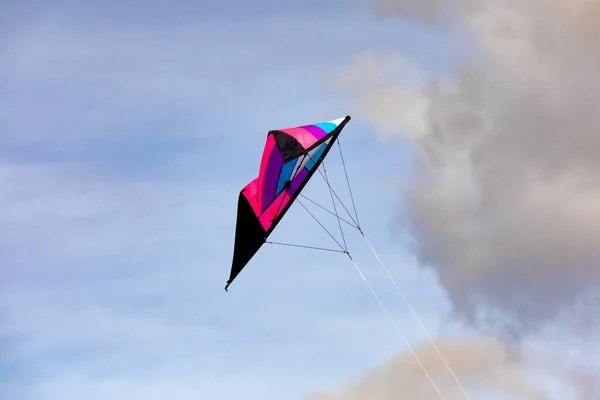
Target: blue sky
pixel 128 131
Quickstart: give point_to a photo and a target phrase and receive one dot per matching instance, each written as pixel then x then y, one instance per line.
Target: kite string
pixel 395 325
pixel 415 315
pixel 365 279
pixel 391 277
pixel 387 313
pixel 345 250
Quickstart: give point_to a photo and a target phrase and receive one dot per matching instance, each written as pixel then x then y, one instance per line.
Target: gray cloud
pixel 506 201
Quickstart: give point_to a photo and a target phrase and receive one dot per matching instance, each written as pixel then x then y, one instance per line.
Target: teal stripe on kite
pixel 315 157
pixel 286 174
pixel 327 126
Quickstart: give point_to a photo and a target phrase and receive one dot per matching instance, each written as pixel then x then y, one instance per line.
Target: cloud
pixel 374 75
pixel 505 204
pixel 485 367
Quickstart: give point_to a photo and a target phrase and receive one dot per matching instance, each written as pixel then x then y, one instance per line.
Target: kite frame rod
pixel 306 247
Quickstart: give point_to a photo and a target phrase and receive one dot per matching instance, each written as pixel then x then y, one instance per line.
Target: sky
pixel 128 131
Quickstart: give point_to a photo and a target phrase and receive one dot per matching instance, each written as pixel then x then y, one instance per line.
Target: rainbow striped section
pixel 279 178
pixel 308 135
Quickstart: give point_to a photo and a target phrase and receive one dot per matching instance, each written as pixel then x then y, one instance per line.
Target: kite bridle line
pixel 335 208
pixel 344 250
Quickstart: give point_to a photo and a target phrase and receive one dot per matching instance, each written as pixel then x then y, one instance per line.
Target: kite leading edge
pixel 290 158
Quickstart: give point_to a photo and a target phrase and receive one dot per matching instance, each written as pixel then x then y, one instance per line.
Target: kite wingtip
pixel 227 286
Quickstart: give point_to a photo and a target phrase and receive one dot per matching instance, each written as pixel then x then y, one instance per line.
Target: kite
pixel 290 158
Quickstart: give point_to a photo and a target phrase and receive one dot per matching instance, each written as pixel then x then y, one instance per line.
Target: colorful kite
pixel 290 158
